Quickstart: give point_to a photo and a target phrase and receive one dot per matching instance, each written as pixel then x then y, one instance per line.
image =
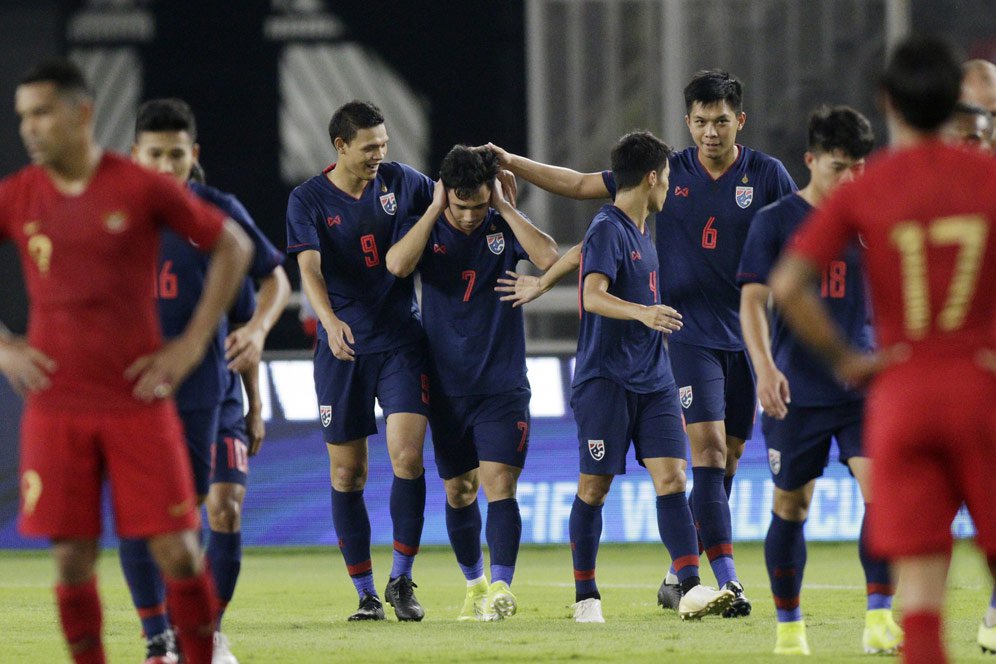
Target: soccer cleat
pixel 882 634
pixel 987 638
pixel 400 595
pixel 791 639
pixel 499 602
pixel 703 601
pixel 370 609
pixel 588 611
pixel 473 603
pixel 669 595
pixel 222 653
pixel 161 649
pixel 740 606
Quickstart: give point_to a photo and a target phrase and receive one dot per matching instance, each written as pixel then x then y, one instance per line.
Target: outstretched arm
pixel 555 179
pixel 523 288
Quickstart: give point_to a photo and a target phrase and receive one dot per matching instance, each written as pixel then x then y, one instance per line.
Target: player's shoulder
pixel 761 162
pixel 226 202
pixel 310 189
pixel 20 179
pixel 395 171
pixel 683 161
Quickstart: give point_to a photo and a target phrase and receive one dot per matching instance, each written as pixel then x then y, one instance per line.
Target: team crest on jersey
pixel 115 222
pixel 596 448
pixel 685 396
pixel 496 243
pixel 326 413
pixel 389 203
pixel 744 196
pixel 774 460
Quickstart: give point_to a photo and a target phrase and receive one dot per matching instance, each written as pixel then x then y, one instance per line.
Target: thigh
pixel 403 384
pixel 849 421
pixel 973 449
pixel 452 443
pixel 798 446
pixel 603 412
pixel 200 429
pixel 501 428
pixel 61 475
pixel 741 395
pixel 148 468
pixel 700 376
pixel 658 431
pixel 345 393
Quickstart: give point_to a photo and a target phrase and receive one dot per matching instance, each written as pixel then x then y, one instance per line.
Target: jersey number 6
pixel 709 235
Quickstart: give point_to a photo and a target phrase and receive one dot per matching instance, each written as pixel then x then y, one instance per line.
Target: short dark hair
pixel 168 114
pixel 352 117
pixel 710 86
pixel 465 169
pixel 63 73
pixel 840 128
pixel 636 154
pixel 923 81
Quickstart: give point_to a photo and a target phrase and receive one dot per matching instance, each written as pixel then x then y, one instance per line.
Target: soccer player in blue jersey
pixel 479 412
pixel 717 186
pixel 804 405
pixel 340 224
pixel 210 399
pixel 623 389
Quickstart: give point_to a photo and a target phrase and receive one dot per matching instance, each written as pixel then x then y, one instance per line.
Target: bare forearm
pixel 315 289
pixel 754 323
pixel 250 379
pixel 565 265
pixel 605 304
pixel 541 248
pixel 274 291
pixel 403 257
pixel 557 179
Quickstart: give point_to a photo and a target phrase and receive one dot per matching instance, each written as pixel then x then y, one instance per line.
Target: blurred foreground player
pixel 469 237
pixel 95 372
pixel 340 224
pixel 804 405
pixel 930 261
pixel 623 389
pixel 210 399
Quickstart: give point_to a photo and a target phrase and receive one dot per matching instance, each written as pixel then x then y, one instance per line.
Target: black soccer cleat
pixel 740 607
pixel 669 595
pixel 370 609
pixel 161 649
pixel 399 594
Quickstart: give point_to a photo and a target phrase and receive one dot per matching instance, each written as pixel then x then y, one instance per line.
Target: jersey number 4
pixel 911 238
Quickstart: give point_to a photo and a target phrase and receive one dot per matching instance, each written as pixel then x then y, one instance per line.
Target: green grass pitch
pixel 291 606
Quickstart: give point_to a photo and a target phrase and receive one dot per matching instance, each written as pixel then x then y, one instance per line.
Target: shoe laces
pixel 405 586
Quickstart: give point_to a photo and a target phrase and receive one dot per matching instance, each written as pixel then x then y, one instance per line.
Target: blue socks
pixel 785 556
pixel 877 577
pixel 352 525
pixel 408 517
pixel 463 525
pixel 224 554
pixel 504 532
pixel 677 530
pixel 148 592
pixel 585 530
pixel 712 510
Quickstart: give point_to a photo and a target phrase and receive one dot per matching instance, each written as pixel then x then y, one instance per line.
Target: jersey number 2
pixel 369 245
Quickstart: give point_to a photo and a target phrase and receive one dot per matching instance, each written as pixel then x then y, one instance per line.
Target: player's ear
pixel 809 158
pixel 339 145
pixel 741 120
pixel 134 151
pixel 195 150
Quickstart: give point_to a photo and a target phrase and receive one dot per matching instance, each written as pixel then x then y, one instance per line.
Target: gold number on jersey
pixel 969 233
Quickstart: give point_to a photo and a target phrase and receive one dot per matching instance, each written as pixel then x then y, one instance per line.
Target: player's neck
pixel 811 194
pixel 903 135
pixel 635 206
pixel 72 175
pixel 715 167
pixel 347 182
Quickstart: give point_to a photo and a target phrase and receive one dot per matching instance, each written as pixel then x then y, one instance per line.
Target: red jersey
pixel 927 219
pixel 89 262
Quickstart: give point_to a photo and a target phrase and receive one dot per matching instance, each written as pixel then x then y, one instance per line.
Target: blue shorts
pixel 799 445
pixel 346 391
pixel 715 386
pixel 230 452
pixel 609 416
pixel 200 427
pixel 471 429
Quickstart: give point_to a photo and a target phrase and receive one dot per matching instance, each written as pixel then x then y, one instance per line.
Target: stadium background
pixel 558 80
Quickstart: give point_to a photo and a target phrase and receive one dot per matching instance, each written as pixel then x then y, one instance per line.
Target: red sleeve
pixel 826 231
pixel 187 214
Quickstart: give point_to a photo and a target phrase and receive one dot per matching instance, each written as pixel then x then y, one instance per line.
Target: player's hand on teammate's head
pixel 662 318
pixel 439 194
pixel 773 392
pixel 26 368
pixel 509 187
pixel 158 374
pixel 521 288
pixel 341 340
pixel 504 158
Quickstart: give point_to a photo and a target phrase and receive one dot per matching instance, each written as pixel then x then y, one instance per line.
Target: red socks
pixel 922 644
pixel 193 608
pixel 79 612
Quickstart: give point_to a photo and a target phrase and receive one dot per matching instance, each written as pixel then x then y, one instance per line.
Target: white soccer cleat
pixel 703 601
pixel 222 654
pixel 588 611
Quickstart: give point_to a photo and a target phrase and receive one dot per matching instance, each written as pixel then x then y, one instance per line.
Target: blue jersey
pixel 179 281
pixel 353 236
pixel 700 236
pixel 625 351
pixel 842 288
pixel 477 342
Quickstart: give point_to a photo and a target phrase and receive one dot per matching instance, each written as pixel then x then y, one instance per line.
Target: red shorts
pixel 931 432
pixel 65 456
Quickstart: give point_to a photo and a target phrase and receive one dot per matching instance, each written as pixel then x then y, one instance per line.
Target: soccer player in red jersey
pixel 96 376
pixel 930 255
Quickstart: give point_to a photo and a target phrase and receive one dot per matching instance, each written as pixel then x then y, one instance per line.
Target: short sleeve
pixel 602 251
pixel 267 257
pixel 761 249
pixel 421 187
pixel 301 232
pixel 782 182
pixel 245 304
pixel 825 233
pixel 609 181
pixel 186 214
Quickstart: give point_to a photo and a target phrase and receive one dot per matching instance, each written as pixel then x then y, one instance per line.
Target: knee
pixel 224 513
pixel 407 460
pixel 593 492
pixel 349 476
pixel 671 480
pixel 500 487
pixel 710 451
pixel 791 505
pixel 74 564
pixel 177 554
pixel 461 491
